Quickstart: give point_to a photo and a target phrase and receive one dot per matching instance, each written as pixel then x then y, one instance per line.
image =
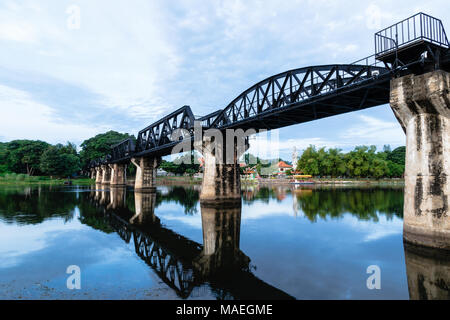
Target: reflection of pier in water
pixel 181 263
pixel 428 272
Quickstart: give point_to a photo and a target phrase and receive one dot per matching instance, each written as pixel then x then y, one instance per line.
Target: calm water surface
pixel 281 242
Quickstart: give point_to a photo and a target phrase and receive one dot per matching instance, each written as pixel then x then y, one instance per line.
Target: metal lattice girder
pixel 159 133
pixel 122 150
pixel 293 88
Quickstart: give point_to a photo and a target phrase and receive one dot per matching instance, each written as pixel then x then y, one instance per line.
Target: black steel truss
pixel 123 150
pixel 293 88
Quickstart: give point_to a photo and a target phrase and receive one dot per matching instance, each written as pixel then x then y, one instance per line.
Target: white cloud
pixel 30 239
pixel 24 118
pixel 375 131
pixel 22 32
pixel 375 231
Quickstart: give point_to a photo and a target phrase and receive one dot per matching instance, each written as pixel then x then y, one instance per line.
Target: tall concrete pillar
pixel 93 173
pixel 118 174
pixel 106 174
pixel 221 175
pixel 421 104
pixel 98 175
pixel 145 173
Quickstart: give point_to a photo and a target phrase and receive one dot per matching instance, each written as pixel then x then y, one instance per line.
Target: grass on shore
pixel 23 179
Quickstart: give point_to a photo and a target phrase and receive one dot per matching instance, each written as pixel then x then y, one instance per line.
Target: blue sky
pixel 127 63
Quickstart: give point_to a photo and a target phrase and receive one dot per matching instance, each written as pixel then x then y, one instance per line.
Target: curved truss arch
pixel 295 87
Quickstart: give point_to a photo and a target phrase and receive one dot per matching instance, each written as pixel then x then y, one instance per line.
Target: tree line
pixel 35 157
pixel 362 162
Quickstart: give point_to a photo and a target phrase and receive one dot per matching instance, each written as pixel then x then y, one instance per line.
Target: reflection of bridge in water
pixel 181 263
pixel 173 257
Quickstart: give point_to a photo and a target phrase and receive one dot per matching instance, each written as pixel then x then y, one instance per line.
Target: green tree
pixel 23 156
pixel 398 156
pixel 60 160
pixel 3 157
pixel 309 161
pixel 183 164
pixel 100 145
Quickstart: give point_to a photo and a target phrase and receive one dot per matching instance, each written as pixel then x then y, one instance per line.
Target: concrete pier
pixel 93 173
pixel 118 174
pixel 221 176
pixel 421 104
pixel 98 175
pixel 106 174
pixel 145 173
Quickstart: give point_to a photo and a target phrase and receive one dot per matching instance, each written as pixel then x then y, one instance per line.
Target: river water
pixel 280 243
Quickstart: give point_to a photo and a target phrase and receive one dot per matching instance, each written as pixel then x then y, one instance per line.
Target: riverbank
pixel 23 179
pixel 327 181
pixel 181 180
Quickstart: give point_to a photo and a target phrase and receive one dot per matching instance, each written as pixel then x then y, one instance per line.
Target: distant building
pixel 283 167
pixel 161 172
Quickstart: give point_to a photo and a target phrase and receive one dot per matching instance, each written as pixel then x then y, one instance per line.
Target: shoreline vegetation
pixel 38 162
pixel 23 179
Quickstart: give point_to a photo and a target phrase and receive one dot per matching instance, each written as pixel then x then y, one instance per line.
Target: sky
pixel 72 69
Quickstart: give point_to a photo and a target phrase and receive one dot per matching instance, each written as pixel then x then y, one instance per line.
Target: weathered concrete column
pixel 98 175
pixel 93 173
pixel 118 174
pixel 145 173
pixel 422 106
pixel 106 174
pixel 221 175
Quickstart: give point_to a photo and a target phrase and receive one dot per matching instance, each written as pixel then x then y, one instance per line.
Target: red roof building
pixel 283 167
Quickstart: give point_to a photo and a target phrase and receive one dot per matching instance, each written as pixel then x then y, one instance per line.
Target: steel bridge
pixel 415 45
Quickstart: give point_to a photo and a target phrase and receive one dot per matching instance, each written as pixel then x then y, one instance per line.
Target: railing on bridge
pixel 419 27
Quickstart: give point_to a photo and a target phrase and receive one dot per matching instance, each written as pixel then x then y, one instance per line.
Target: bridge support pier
pixel 221 176
pixel 98 175
pixel 145 173
pixel 421 104
pixel 93 173
pixel 106 174
pixel 118 174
